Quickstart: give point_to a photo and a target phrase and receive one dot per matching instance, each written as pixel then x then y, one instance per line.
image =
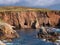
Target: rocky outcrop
pixel 49 34
pixel 7 32
pixel 25 19
pixel 1 43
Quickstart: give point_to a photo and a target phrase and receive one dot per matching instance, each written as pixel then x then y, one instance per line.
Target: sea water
pixel 28 37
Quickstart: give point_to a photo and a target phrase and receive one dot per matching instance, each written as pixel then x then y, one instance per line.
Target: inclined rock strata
pixel 25 19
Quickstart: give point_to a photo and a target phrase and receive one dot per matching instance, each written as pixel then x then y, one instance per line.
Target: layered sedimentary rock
pixel 31 19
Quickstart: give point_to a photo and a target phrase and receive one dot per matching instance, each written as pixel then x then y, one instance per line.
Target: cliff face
pixel 31 19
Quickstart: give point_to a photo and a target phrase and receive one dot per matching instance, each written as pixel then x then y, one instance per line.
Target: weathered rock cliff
pixel 31 19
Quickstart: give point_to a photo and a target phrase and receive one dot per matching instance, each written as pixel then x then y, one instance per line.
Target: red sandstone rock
pixel 25 19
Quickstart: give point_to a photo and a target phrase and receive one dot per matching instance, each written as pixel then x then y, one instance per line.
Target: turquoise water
pixel 28 37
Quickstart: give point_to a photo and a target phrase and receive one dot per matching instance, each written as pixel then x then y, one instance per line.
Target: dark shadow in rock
pixel 58 25
pixel 33 25
pixel 25 23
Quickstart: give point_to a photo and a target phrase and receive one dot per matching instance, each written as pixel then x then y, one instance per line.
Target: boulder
pixel 7 32
pixel 44 30
pixel 1 43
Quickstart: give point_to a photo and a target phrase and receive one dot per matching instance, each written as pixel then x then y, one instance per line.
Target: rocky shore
pixel 7 32
pixel 49 34
pixel 32 18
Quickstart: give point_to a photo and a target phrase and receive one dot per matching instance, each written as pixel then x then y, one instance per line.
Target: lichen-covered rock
pixel 7 32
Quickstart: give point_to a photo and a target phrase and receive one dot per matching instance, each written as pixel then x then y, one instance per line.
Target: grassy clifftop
pixel 15 8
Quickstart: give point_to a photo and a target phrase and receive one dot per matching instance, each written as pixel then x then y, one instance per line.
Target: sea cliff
pixel 21 17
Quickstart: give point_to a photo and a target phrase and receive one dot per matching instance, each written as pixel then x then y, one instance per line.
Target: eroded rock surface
pixel 48 34
pixel 7 32
pixel 25 19
pixel 1 43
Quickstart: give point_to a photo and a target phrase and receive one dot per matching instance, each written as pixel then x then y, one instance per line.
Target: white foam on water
pixel 57 42
pixel 44 39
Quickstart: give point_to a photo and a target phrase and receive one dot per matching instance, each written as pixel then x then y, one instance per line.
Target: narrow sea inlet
pixel 28 37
